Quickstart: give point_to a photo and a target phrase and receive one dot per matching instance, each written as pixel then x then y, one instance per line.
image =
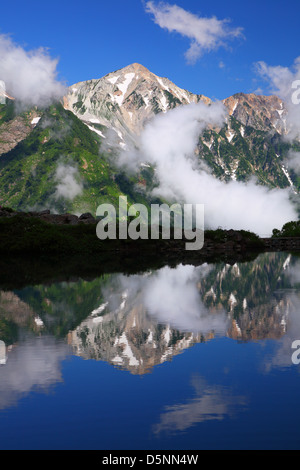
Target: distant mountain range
pixel 97 118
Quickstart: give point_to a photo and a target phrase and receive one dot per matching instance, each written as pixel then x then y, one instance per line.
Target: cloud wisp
pixel 30 76
pixel 68 181
pixel 205 34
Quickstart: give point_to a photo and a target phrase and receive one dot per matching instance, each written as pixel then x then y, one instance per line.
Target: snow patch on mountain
pixel 230 135
pixel 35 121
pixel 127 351
pixel 124 87
pixel 164 103
pixel 288 178
pixel 97 132
pixel 160 81
pixel 113 80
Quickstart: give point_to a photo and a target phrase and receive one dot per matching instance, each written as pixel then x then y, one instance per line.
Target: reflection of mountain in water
pixel 130 340
pixel 55 309
pixel 147 320
pixel 136 322
pixel 247 293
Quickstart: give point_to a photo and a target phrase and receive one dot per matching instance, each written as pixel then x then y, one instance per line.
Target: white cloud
pixel 206 34
pixel 30 76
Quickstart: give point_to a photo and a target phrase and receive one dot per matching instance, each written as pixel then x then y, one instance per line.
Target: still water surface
pixel 179 358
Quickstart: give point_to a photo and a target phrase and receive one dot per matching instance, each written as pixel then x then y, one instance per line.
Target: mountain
pixel 97 118
pixel 126 99
pixel 123 101
pixel 264 113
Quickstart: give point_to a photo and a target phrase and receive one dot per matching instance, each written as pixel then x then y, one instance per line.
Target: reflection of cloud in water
pixel 32 365
pixel 293 273
pixel 210 403
pixel 171 296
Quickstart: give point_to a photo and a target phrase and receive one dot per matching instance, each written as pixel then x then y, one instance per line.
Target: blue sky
pixel 96 37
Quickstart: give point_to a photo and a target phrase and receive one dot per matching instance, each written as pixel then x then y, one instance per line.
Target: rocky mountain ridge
pixel 126 99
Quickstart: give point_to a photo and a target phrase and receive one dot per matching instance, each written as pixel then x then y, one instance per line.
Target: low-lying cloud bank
pixel 169 141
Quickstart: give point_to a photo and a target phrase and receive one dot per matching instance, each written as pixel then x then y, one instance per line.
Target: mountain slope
pixel 14 127
pixel 239 152
pixel 264 113
pixel 58 165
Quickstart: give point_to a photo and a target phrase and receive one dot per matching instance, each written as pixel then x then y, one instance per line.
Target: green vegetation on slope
pixel 28 173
